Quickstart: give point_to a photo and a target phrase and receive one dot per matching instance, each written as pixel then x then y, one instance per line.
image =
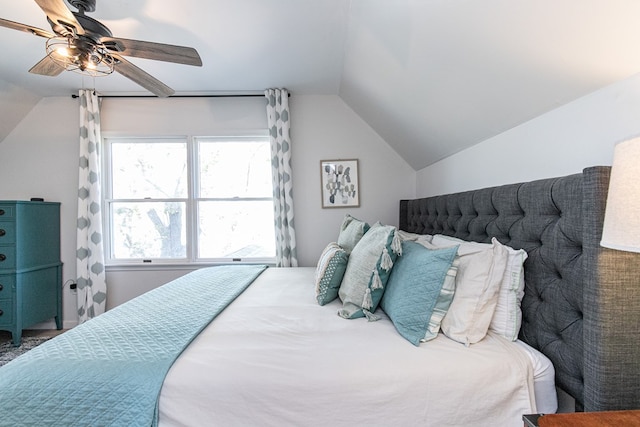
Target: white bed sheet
pixel 544 380
pixel 277 358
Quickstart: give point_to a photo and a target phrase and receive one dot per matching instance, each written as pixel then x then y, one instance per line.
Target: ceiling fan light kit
pixel 84 45
pixel 93 60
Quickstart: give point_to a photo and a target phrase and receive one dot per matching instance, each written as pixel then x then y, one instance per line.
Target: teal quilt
pixel 109 371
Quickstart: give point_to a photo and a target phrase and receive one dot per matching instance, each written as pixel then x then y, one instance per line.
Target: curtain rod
pixel 181 96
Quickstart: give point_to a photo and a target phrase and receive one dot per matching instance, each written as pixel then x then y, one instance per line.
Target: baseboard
pixel 51 324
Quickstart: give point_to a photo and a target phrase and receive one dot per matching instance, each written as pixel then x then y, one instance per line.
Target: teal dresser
pixel 30 266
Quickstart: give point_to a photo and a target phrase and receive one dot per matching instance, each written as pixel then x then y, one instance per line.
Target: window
pixel 188 199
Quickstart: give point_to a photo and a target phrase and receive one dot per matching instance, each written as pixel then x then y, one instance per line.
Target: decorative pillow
pixel 416 289
pixel 329 273
pixel 351 231
pixel 367 272
pixel 480 273
pixel 507 318
pixel 445 297
pixel 413 237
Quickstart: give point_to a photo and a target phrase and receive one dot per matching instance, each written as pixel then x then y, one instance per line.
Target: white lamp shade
pixel 622 216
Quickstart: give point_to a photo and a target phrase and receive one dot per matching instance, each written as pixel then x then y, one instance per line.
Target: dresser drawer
pixel 6 312
pixel 7 257
pixel 7 211
pixel 7 232
pixel 7 286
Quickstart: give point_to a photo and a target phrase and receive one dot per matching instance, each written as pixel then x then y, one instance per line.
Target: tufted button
pixel 558 335
pixel 558 274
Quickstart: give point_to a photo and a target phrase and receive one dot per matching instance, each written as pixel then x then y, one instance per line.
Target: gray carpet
pixel 8 352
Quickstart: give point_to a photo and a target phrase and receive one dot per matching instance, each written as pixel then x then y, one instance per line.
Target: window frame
pixel 191 201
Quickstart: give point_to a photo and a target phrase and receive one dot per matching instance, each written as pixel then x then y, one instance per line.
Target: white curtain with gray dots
pixel 279 125
pixel 92 287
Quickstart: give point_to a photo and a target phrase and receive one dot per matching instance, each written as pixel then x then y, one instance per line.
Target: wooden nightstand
pixel 585 419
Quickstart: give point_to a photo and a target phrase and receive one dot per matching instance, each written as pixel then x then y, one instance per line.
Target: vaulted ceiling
pixel 432 77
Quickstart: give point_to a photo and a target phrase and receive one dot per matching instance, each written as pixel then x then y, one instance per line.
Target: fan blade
pixel 27 28
pixel 58 13
pixel 47 67
pixel 141 77
pixel 156 51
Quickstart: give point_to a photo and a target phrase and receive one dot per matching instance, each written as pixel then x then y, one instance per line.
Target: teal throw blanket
pixel 109 371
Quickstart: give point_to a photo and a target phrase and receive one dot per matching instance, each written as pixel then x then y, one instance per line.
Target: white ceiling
pixel 432 77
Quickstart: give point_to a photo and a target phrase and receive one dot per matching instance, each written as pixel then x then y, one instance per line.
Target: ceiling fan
pixel 82 44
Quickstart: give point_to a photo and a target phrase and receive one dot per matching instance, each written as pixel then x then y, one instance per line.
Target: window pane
pixel 148 230
pixel 149 170
pixel 235 169
pixel 242 229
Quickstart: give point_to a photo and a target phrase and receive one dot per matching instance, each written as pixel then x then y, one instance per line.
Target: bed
pixel 275 356
pixel 581 306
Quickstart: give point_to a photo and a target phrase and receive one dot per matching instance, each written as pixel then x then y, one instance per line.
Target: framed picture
pixel 339 180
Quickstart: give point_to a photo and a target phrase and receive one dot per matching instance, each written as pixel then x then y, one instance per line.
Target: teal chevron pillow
pixel 416 297
pixel 367 272
pixel 351 231
pixel 329 273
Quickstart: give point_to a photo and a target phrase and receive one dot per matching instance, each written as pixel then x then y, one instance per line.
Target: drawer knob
pixel 2 232
pixel 1 211
pixel 3 257
pixel 1 287
pixel 1 312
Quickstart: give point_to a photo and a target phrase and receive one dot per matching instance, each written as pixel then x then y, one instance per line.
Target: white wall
pixel 561 142
pixel 15 103
pixel 39 159
pixel 325 128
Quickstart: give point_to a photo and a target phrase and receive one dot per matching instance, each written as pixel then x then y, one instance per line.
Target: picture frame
pixel 339 183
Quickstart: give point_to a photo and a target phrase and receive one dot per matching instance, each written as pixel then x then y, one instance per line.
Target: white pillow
pixel 507 318
pixel 413 237
pixel 478 281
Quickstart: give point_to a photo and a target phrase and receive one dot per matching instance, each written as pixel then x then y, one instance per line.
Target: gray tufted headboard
pixel 582 302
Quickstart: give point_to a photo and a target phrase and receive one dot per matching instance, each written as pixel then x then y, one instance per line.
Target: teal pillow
pixel 415 298
pixel 351 231
pixel 367 272
pixel 329 273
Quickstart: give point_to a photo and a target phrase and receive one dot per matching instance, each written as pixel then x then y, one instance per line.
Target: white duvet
pixel 277 358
